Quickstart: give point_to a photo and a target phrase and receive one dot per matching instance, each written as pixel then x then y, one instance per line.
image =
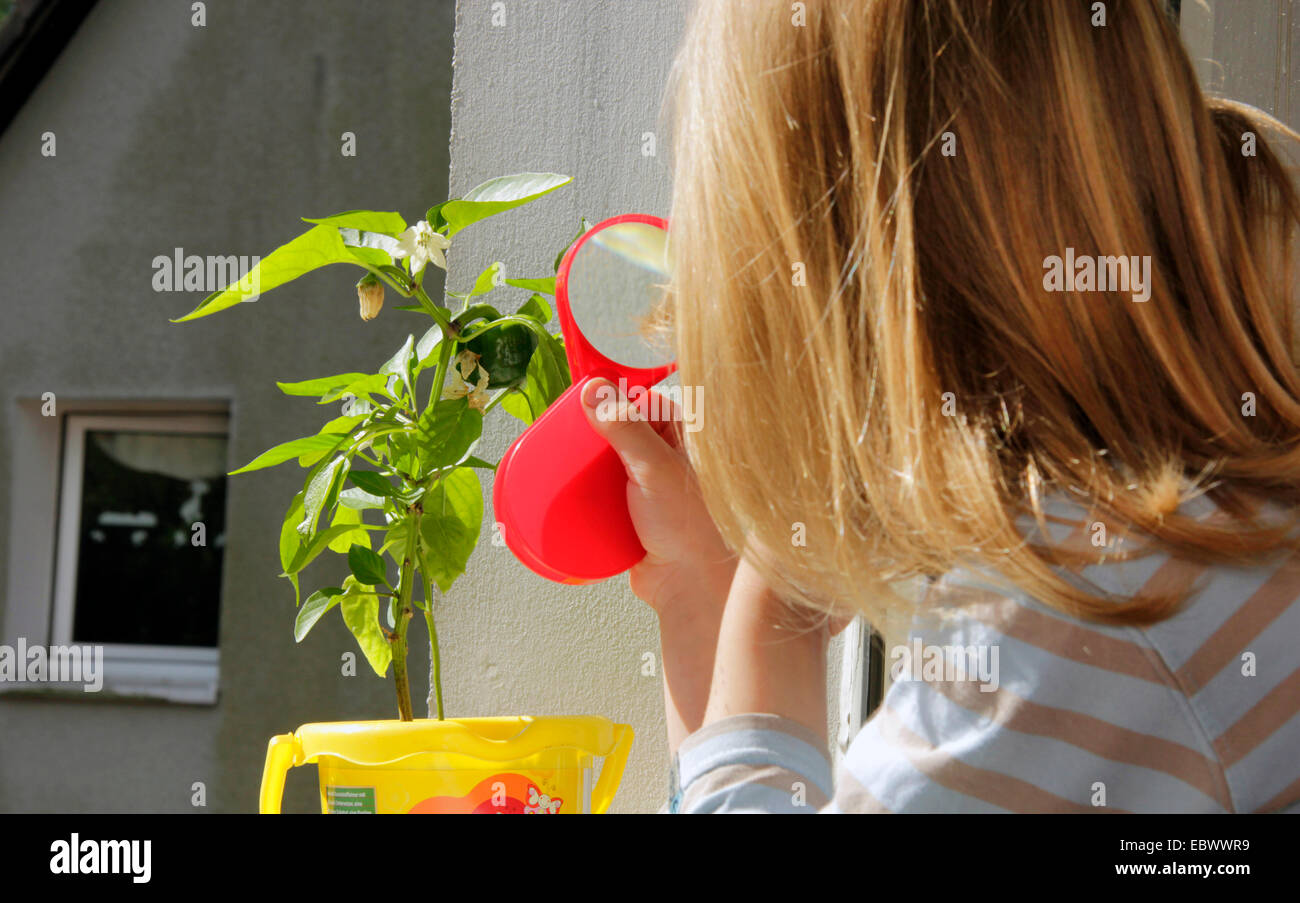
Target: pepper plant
pixel 401 453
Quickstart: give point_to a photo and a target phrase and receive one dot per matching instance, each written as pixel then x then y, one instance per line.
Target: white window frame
pixel 174 673
pixel 860 696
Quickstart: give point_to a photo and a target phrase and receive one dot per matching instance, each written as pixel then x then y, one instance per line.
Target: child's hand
pixel 687 569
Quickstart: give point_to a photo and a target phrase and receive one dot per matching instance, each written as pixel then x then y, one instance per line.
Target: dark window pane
pixel 140 578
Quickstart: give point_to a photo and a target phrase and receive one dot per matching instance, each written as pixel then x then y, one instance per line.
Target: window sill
pixel 186 677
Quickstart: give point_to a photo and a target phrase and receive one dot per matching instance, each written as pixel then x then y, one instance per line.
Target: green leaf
pixel 342 425
pixel 545 380
pixel 373 483
pixel 545 286
pixel 347 516
pixel 286 450
pixel 427 347
pixel 486 281
pixel 315 248
pixel 473 461
pixel 516 404
pixel 291 542
pixel 321 489
pixel 366 566
pixel 549 370
pixel 310 551
pixel 359 499
pixel 472 313
pixel 583 227
pixel 403 454
pixel 321 385
pixel 401 365
pixel 536 308
pixel 360 607
pixel 368 220
pixel 449 527
pixel 370 258
pixel 317 604
pixel 362 388
pixel 434 216
pixel 447 431
pixel 395 540
pixel 498 195
pixel 359 240
pixel 410 497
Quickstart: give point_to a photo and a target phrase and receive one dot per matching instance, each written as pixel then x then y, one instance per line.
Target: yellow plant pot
pixel 468 765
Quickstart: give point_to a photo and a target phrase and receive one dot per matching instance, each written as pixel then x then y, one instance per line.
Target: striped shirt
pixel 1006 705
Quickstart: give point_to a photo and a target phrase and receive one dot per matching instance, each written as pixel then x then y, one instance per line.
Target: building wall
pixel 214 139
pixel 1242 49
pixel 569 88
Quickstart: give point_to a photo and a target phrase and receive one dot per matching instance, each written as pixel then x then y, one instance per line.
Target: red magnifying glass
pixel 560 491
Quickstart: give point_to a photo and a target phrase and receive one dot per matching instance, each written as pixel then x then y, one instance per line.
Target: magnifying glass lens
pixel 616 284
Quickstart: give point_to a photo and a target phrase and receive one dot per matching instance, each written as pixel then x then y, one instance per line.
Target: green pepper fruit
pixel 504 352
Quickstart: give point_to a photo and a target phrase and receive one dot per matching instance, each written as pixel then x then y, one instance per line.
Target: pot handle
pixel 611 771
pixel 281 755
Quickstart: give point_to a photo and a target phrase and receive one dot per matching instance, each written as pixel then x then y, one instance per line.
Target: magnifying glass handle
pixel 560 496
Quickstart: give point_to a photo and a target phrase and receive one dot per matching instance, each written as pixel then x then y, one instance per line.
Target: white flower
pixel 422 244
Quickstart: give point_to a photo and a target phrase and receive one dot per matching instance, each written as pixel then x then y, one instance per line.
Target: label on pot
pixel 444 790
pixel 350 800
pixel 502 794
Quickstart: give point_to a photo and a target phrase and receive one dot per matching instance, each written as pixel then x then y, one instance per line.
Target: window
pixel 141 532
pixel 862 681
pixel 32 34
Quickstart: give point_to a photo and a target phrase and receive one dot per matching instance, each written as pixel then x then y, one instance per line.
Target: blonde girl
pixel 986 298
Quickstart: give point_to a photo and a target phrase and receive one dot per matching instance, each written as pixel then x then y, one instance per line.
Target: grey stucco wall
pixel 1242 50
pixel 572 88
pixel 568 88
pixel 213 139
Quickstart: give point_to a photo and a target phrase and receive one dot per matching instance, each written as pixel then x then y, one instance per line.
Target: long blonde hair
pixel 866 193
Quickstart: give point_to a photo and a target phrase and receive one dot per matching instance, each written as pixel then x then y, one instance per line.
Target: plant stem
pixel 440 315
pixel 493 402
pixel 402 620
pixel 532 324
pixel 388 280
pixel 400 677
pixel 440 374
pixel 435 662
